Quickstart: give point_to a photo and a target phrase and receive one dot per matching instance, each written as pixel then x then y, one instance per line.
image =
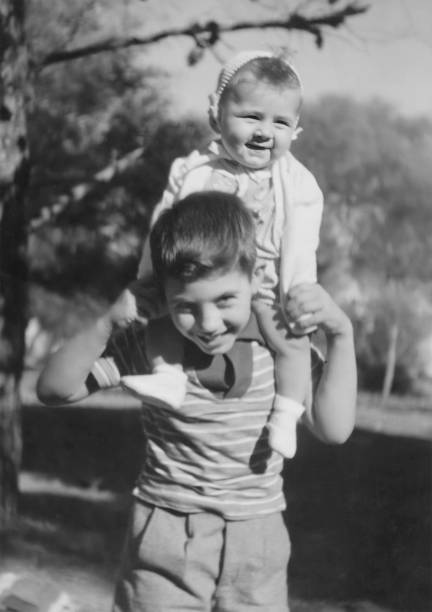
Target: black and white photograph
pixel 216 306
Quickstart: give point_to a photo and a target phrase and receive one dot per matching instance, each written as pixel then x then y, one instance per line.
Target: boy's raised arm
pixel 332 417
pixel 64 376
pixel 332 414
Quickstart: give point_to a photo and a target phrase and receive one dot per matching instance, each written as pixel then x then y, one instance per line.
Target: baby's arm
pixel 170 195
pixel 292 353
pixel 149 302
pixel 332 414
pixel 292 375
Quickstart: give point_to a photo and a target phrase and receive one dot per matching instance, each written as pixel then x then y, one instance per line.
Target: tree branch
pixel 206 35
pixel 80 191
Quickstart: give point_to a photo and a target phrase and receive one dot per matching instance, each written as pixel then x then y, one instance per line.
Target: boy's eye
pixel 183 307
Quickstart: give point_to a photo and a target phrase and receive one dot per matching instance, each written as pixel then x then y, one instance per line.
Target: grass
pixel 359 514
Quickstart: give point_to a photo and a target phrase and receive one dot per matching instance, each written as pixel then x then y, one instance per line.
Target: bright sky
pixel 386 53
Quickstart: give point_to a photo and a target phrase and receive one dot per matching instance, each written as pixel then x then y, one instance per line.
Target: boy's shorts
pixel 202 562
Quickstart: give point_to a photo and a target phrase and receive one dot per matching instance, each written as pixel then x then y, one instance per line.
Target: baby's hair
pixel 205 233
pixel 274 70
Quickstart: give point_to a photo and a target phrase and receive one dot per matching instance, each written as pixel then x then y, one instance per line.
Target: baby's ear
pixel 257 277
pixel 297 129
pixel 213 113
pixel 296 133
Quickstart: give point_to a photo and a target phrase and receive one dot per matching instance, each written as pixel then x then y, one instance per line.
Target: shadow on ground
pixel 360 521
pixel 359 515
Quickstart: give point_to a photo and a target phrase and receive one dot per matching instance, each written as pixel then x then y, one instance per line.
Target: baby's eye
pixel 226 300
pixel 283 123
pixel 251 116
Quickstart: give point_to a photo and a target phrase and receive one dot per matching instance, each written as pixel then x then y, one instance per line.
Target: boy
pixel 207 531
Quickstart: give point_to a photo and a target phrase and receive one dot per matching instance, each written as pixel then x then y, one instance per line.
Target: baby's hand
pixel 310 304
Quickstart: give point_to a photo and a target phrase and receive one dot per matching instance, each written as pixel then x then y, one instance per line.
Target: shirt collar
pixel 251 331
pixel 230 373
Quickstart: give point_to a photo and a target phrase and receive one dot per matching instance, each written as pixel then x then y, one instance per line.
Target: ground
pixel 358 514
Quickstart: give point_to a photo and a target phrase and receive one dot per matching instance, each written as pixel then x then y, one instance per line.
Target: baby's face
pixel 257 121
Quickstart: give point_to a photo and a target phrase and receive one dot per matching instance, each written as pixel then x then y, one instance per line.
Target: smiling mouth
pixel 258 147
pixel 210 339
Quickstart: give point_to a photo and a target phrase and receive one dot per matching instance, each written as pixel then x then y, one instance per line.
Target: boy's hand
pixel 138 302
pixel 310 304
pixel 148 299
pixel 124 310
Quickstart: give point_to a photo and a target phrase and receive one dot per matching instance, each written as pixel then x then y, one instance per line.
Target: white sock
pixel 282 425
pixel 167 384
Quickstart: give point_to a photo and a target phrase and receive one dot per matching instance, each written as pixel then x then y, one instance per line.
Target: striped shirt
pixel 213 453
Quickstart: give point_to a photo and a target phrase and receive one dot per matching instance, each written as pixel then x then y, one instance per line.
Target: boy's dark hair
pixel 206 232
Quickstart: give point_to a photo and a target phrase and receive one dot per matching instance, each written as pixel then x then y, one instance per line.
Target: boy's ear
pixel 213 112
pixel 257 277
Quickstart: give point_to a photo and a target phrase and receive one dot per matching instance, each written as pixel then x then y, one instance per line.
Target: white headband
pixel 233 66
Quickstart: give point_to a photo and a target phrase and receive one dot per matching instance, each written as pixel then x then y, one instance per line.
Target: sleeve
pixel 150 304
pixel 308 210
pixel 124 354
pixel 169 196
pixel 179 168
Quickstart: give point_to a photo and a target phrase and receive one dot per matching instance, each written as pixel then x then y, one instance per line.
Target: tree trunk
pixel 390 362
pixel 14 174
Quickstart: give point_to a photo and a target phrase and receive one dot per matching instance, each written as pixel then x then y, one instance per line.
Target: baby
pixel 255 112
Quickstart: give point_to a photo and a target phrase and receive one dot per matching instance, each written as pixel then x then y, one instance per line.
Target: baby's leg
pixel 164 350
pixel 292 374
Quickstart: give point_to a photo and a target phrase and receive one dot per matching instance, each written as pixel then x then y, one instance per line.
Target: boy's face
pixel 212 311
pixel 257 121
